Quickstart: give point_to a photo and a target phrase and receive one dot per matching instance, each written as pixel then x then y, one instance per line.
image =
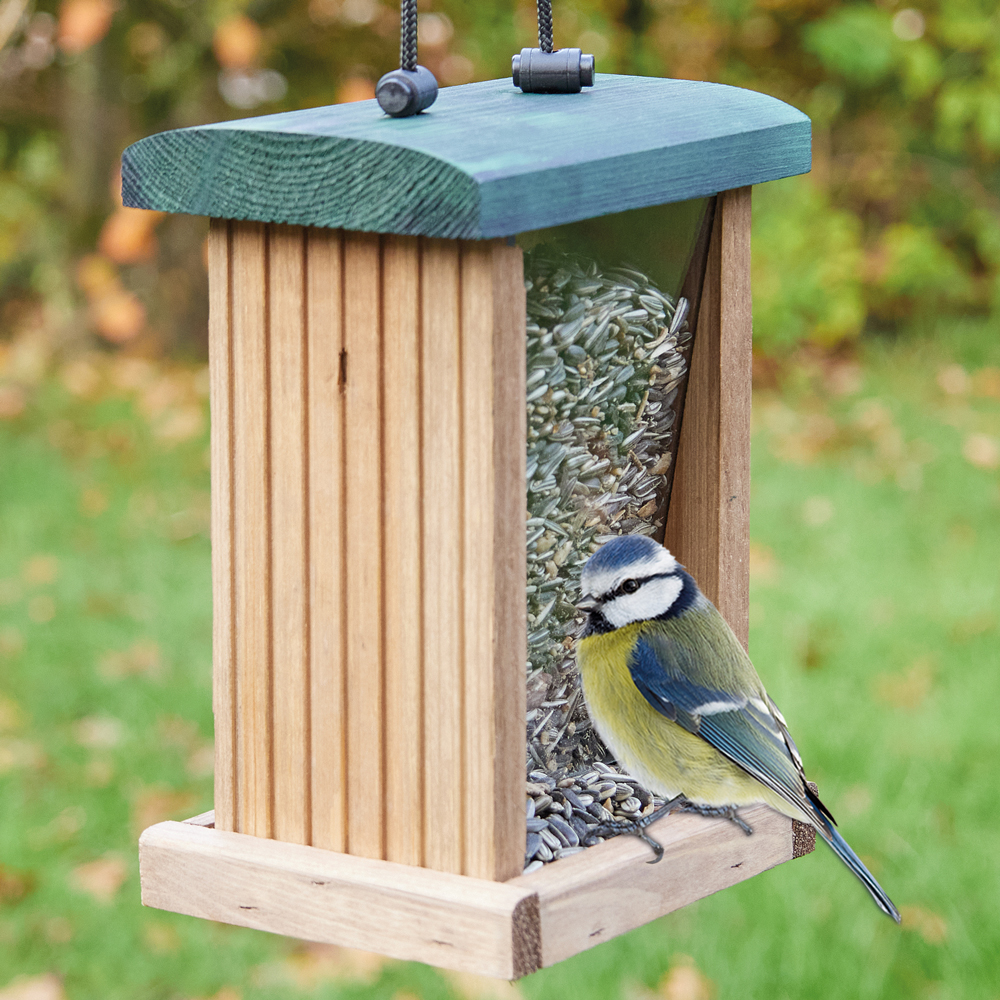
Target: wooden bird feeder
pixel 367 349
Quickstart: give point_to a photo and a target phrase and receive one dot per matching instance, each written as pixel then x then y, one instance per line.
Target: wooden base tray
pixel 501 929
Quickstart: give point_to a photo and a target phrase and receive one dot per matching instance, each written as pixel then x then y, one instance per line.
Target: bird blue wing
pixel 715 694
pixel 738 723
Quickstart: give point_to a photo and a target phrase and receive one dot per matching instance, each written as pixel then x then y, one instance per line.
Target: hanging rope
pixel 545 25
pixel 408 34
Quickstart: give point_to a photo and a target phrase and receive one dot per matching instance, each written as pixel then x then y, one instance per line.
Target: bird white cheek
pixel 653 598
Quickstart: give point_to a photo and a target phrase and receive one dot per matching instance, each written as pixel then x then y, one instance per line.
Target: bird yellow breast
pixel 663 755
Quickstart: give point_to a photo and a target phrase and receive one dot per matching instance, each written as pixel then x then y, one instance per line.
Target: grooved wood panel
pixel 368 424
pixel 486 161
pixel 708 526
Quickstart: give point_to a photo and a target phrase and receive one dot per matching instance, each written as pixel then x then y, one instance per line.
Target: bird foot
pixel 726 812
pixel 638 827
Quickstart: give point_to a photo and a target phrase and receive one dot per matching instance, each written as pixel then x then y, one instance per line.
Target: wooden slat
pixel 477 489
pixel 735 375
pixel 223 633
pixel 326 558
pixel 404 912
pixel 708 523
pixel 363 545
pixel 404 763
pixel 609 889
pixel 442 506
pixel 289 548
pixel 493 415
pixel 252 527
pixel 510 638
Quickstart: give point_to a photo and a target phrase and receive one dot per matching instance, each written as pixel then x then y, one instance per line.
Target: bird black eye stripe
pixel 631 585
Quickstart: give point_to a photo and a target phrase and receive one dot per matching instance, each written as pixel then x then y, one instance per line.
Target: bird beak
pixel 587 604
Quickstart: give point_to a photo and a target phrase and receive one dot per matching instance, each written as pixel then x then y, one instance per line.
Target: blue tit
pixel 675 697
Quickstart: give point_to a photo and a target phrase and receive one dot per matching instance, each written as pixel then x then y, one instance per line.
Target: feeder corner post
pixel 709 524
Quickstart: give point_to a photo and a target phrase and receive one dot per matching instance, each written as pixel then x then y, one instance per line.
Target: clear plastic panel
pixel 608 345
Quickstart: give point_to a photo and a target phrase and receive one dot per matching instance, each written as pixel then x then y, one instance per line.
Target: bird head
pixel 630 578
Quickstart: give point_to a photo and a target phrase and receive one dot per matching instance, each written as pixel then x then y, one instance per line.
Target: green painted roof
pixel 485 160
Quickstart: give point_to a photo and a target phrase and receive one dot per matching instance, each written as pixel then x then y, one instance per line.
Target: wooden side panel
pixel 289 545
pixel 327 647
pixel 443 502
pixel 708 524
pixel 220 345
pixel 404 696
pixel 252 526
pixel 362 549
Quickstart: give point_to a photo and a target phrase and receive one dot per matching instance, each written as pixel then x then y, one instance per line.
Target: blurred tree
pixel 899 217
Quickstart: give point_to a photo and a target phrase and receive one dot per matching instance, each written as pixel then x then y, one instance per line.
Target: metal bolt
pixel 564 71
pixel 405 92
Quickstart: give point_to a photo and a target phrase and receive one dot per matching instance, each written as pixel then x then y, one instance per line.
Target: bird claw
pixel 655 844
pixel 638 827
pixel 726 812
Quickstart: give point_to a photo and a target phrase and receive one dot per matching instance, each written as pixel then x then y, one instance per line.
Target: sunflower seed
pixel 550 839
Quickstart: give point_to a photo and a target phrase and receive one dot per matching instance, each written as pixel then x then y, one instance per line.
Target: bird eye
pixel 630 586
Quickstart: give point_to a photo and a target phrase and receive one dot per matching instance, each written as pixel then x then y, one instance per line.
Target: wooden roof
pixel 484 161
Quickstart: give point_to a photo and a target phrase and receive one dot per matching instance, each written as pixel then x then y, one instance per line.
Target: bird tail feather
pixel 843 851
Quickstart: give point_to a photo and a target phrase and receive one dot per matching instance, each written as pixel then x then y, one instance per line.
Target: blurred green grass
pixel 875 625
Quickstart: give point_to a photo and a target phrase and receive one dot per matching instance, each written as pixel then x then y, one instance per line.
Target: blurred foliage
pixel 898 219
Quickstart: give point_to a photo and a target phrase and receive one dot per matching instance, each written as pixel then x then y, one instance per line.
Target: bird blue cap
pixel 622 557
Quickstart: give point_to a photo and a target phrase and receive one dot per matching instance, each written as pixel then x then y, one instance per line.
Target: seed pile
pixel 606 357
pixel 564 814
